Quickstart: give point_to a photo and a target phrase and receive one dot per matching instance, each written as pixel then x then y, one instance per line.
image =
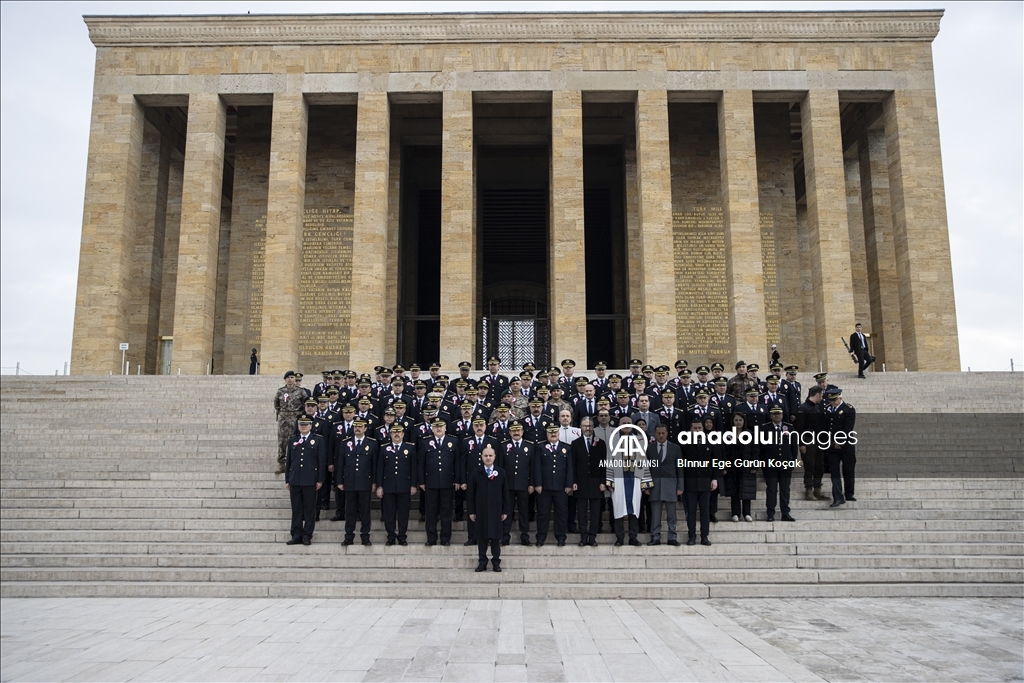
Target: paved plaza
pixel 843 639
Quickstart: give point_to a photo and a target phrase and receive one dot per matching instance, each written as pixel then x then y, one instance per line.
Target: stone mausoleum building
pixel 353 190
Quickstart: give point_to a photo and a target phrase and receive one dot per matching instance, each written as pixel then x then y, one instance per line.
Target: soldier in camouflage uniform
pixel 288 403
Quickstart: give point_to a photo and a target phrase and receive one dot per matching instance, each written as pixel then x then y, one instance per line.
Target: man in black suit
pixel 304 468
pixel 859 349
pixel 438 480
pixel 489 506
pixel 471 450
pixel 588 451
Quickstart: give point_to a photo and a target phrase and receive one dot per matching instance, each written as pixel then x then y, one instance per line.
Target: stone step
pixel 193 508
pixel 722 546
pixel 621 561
pixel 512 574
pixel 332 536
pixel 9 523
pixel 510 591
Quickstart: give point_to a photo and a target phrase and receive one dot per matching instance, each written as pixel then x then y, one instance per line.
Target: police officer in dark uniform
pixel 774 397
pixel 778 479
pixel 840 420
pixel 498 383
pixel 670 416
pixel 358 459
pixel 438 479
pixel 396 482
pixel 756 412
pixel 722 400
pixel 790 387
pixel 702 409
pixel 304 469
pixel 554 479
pixel 517 455
pixel 536 423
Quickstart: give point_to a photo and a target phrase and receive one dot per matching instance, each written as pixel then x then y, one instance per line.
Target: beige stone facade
pixel 353 190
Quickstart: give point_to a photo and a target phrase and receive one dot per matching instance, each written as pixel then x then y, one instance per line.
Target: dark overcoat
pixel 488 499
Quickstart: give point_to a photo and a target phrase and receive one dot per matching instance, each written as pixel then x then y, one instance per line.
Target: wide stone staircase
pixel 164 486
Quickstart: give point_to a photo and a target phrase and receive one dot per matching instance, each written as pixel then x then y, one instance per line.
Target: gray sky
pixel 46 86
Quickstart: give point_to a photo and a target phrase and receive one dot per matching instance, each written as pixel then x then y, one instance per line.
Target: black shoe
pixel 851 499
pixel 787 518
pixel 675 543
pixel 366 541
pixel 446 544
pixel 593 544
pixel 306 541
pixel 293 541
pixel 561 543
pixel 526 542
pixel 338 518
pixel 481 567
pixel 317 518
pixel 391 541
pixel 459 519
pixel 430 543
pixel 497 568
pixel 633 541
pixel 422 518
pixel 540 544
pixel 714 519
pixel 691 541
pixel 403 543
pixel 581 543
pixel 348 541
pixel 653 542
pixel 837 503
pixel 470 542
pixel 573 531
pixel 618 543
pixel 505 542
pixel 705 541
pixel 771 518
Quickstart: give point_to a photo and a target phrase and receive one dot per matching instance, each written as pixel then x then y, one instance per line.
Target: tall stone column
pixel 147 259
pixel 370 232
pixel 286 195
pixel 458 232
pixel 567 263
pixel 199 237
pixel 923 267
pixel 657 277
pixel 741 213
pixel 108 235
pixel 827 225
pixel 883 283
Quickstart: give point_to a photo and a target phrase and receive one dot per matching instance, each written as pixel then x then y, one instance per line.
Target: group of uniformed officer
pixel 403 432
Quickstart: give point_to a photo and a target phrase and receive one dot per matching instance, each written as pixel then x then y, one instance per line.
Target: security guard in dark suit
pixel 358 459
pixel 396 482
pixel 471 447
pixel 304 469
pixel 438 479
pixel 554 479
pixel 517 454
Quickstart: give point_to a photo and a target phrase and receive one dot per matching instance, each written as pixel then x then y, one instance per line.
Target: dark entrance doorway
pixel 512 223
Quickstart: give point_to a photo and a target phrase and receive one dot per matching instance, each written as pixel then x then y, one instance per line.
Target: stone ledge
pixel 557 27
